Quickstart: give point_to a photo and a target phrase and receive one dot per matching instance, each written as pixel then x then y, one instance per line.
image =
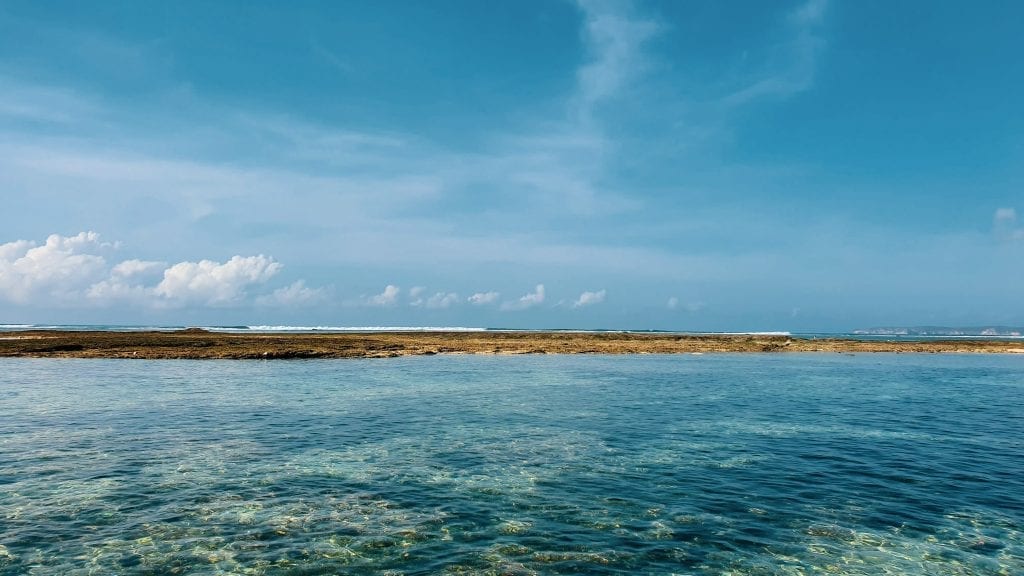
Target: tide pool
pixel 739 464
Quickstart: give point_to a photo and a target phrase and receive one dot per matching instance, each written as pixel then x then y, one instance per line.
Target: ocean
pixel 713 464
pixel 1007 334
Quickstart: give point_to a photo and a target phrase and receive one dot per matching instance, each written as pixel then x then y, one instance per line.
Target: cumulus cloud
pixel 589 299
pixel 442 300
pixel 295 294
pixel 14 250
pixel 73 271
pixel 527 301
pixel 416 293
pixel 438 300
pixel 481 298
pixel 213 283
pixel 55 270
pixel 130 281
pixel 135 268
pixel 386 298
pixel 120 289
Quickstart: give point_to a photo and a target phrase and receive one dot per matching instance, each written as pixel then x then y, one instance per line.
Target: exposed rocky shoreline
pixel 201 344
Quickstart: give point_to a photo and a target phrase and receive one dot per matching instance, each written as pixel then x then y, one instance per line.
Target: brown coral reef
pixel 201 344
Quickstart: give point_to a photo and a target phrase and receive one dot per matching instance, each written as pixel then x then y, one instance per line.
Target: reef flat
pixel 202 344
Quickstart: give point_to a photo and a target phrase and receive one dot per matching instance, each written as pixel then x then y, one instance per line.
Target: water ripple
pixel 542 465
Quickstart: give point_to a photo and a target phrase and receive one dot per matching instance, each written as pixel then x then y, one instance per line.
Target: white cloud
pixel 57 269
pixel 481 298
pixel 438 300
pixel 295 294
pixel 1004 223
pixel 14 250
pixel 73 271
pixel 42 104
pixel 550 164
pixel 1005 215
pixel 791 66
pixel 213 283
pixel 614 39
pixel 116 289
pixel 694 306
pixel 127 283
pixel 386 298
pixel 442 300
pixel 416 293
pixel 589 299
pixel 809 14
pixel 133 268
pixel 527 301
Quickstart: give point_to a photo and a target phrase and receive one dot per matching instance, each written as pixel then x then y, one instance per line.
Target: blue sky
pixel 671 165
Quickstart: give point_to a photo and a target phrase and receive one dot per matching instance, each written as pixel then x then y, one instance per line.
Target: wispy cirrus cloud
pixel 386 198
pixel 370 184
pixel 790 67
pixel 22 102
pixel 1005 224
pixel 614 38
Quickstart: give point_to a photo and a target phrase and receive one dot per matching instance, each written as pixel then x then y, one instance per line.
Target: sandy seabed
pixel 201 344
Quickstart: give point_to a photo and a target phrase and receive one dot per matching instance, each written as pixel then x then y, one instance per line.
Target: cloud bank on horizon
pixel 73 271
pixel 614 164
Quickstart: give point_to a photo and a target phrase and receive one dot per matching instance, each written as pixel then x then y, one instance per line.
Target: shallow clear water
pixel 741 464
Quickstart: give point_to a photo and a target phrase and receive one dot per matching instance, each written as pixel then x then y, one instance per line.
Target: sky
pixel 707 165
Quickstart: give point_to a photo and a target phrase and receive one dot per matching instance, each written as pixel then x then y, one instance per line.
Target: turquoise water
pixel 715 464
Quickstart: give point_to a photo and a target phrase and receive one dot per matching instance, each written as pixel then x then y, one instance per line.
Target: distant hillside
pixel 941 331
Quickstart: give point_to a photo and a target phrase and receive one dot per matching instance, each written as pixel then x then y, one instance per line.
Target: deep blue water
pixel 742 464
